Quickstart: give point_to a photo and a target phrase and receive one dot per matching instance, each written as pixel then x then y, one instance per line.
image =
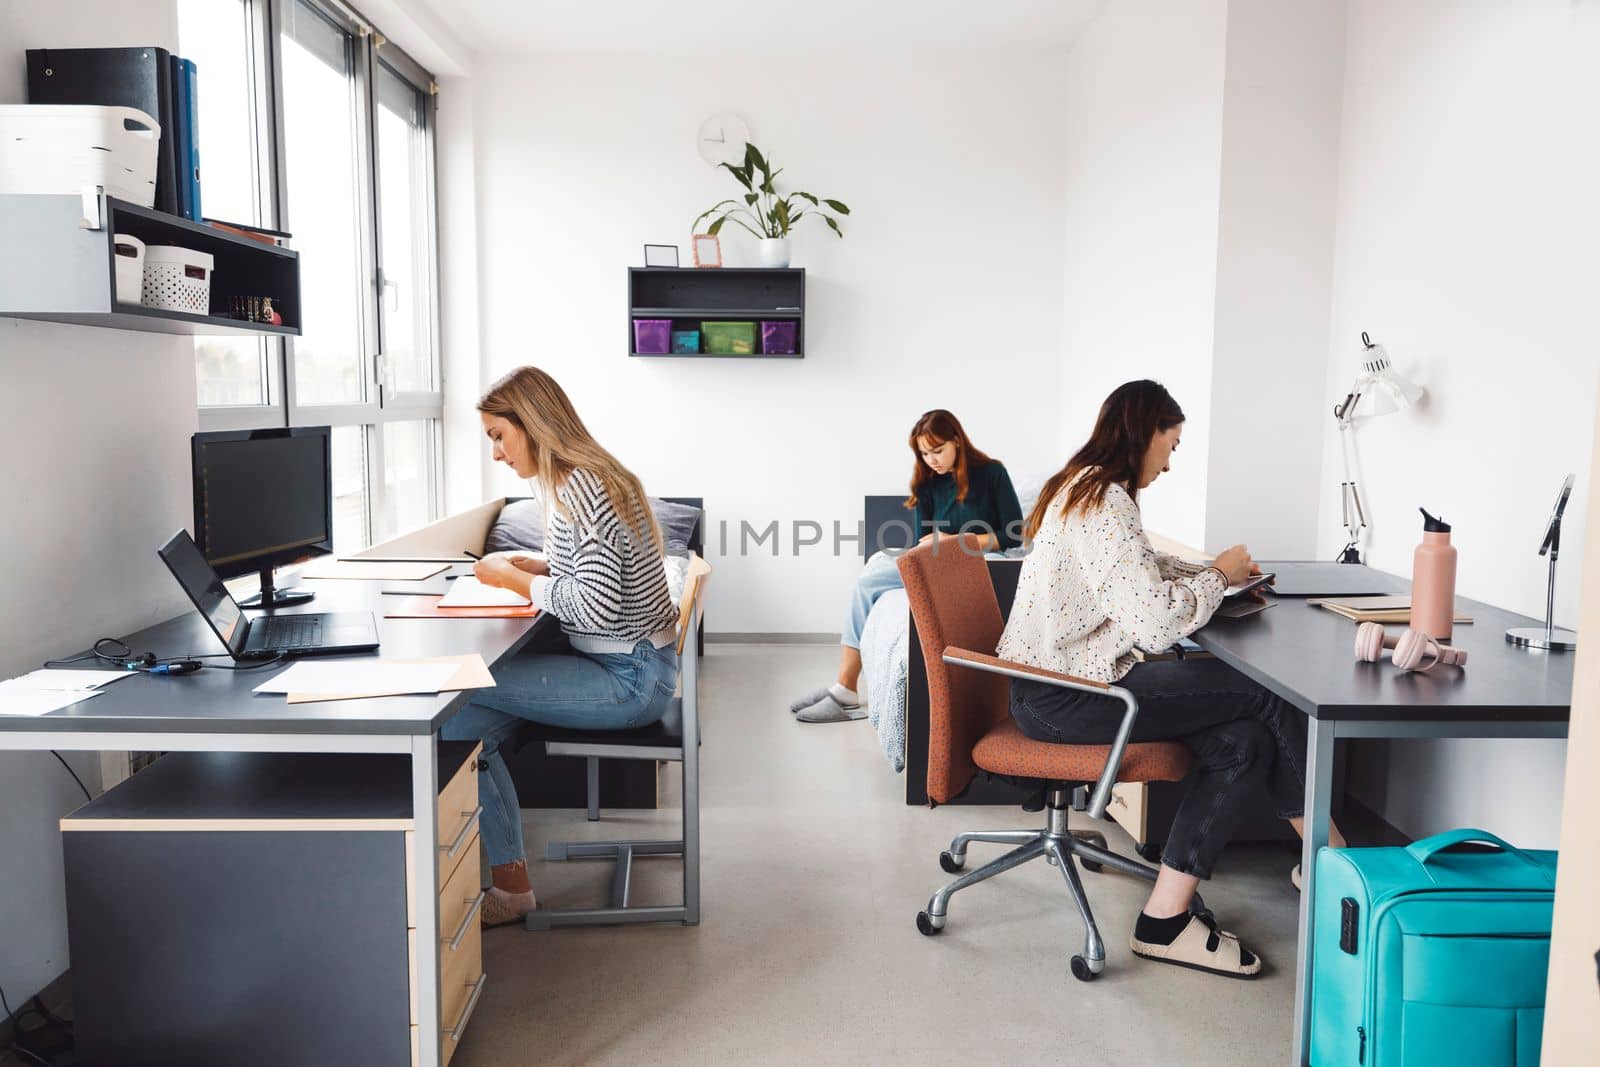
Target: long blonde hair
pixel 537 405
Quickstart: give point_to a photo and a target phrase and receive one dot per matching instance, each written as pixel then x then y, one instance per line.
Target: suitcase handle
pixel 1424 850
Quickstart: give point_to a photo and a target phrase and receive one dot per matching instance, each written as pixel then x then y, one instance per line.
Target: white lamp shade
pixel 1379 389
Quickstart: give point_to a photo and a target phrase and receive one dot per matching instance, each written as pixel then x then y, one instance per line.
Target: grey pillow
pixel 677 522
pixel 520 525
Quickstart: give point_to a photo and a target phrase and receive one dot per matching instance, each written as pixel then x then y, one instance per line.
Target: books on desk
pixel 1184 649
pixel 1379 609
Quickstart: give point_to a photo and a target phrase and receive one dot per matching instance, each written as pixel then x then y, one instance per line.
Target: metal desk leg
pixel 1318 814
pixel 425 864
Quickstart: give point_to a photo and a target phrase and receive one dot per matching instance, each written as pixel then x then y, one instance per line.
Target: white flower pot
pixel 775 251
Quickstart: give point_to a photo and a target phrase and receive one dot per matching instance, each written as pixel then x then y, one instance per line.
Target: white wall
pixel 1141 188
pixel 945 292
pixel 1467 223
pixel 95 426
pixel 1280 149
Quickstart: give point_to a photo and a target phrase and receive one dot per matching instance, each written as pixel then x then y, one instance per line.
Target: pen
pixel 472 555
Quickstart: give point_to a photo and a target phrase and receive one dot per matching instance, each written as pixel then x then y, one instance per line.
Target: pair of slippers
pixel 1203 947
pixel 823 706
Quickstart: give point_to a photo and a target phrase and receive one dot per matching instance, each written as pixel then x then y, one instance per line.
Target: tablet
pixel 1255 581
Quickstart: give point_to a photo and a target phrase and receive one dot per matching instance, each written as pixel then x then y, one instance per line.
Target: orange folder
pixel 427 607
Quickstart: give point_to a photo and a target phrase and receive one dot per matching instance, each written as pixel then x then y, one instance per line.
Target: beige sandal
pixel 1203 947
pixel 496 912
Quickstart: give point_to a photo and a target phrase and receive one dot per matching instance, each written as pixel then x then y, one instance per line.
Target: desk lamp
pixel 1378 390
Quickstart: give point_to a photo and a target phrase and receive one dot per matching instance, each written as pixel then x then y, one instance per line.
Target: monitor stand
pixel 272 597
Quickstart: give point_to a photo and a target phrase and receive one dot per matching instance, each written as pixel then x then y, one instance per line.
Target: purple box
pixel 652 337
pixel 777 337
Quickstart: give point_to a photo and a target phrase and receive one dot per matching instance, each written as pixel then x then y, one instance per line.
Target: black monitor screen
pixel 262 497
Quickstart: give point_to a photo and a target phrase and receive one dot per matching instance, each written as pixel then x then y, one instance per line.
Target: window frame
pixel 369 50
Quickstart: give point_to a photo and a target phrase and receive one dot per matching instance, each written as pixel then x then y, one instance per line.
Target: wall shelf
pixel 691 295
pixel 61 270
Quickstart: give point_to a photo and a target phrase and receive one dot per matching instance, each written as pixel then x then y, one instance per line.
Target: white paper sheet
pixel 471 593
pixel 22 700
pixel 51 678
pixel 374 677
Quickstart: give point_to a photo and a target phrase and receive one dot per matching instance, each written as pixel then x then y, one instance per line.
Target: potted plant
pixel 766 213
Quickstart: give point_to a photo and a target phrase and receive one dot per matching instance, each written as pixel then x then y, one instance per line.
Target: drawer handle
pixel 466 832
pixel 466 921
pixel 466 1012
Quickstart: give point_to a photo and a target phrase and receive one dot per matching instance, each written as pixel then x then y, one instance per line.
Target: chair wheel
pixel 1092 866
pixel 1149 853
pixel 951 863
pixel 1080 969
pixel 925 925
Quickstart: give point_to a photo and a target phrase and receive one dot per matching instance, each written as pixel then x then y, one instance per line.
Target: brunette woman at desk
pixel 602 579
pixel 954 487
pixel 1093 587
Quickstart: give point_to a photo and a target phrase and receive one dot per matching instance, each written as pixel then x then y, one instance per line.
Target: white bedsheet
pixel 883 672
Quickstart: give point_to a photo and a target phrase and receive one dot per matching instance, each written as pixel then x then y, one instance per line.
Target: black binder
pixel 119 77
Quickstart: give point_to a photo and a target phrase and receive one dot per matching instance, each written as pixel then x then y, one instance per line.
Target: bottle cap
pixel 1431 524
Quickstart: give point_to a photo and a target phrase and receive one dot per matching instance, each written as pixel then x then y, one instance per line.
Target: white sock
pixel 847 698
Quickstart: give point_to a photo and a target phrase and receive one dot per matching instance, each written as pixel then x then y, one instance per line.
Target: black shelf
pixel 691 295
pixel 70 274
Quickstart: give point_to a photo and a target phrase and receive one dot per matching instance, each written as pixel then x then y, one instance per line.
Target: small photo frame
pixel 661 255
pixel 707 250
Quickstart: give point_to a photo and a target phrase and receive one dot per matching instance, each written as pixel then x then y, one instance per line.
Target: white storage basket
pixel 177 279
pixel 60 148
pixel 129 252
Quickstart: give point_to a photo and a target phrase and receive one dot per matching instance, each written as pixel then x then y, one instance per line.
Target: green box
pixel 728 338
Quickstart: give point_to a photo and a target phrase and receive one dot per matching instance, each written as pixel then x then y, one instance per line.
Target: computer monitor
pixel 263 498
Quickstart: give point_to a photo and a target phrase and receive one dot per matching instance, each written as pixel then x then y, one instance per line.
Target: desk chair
pixel 970 728
pixel 676 738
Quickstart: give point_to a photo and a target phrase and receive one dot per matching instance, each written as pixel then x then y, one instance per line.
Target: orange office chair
pixel 970 728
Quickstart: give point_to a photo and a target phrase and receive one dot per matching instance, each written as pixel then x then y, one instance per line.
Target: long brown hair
pixel 537 405
pixel 940 426
pixel 1114 454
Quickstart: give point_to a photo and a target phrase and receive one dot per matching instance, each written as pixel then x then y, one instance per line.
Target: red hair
pixel 940 426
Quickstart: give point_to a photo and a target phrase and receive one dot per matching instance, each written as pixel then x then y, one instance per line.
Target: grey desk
pixel 1304 654
pixel 216 711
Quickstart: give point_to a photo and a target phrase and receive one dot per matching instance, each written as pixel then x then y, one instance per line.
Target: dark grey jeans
pixel 1240 734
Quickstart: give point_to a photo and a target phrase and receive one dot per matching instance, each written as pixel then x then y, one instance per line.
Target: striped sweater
pixel 606 583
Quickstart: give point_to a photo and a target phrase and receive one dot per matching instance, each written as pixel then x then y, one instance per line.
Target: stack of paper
pixel 1381 609
pixel 307 682
pixel 42 692
pixel 471 593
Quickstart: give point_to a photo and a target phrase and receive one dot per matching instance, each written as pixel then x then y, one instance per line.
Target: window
pixel 311 122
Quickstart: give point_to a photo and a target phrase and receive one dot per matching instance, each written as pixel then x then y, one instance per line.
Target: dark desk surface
pixel 1306 655
pixel 222 701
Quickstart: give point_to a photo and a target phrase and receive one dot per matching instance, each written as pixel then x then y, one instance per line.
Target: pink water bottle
pixel 1433 580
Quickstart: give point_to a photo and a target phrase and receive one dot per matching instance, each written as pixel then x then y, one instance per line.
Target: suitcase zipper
pixel 1361 1034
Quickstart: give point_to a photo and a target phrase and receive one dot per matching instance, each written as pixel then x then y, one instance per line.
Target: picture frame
pixel 707 250
pixel 661 255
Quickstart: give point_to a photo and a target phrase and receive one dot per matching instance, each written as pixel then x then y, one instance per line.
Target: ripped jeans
pixel 1241 734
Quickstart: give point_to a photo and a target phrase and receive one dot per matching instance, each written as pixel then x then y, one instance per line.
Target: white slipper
pixel 806 701
pixel 828 709
pixel 1203 947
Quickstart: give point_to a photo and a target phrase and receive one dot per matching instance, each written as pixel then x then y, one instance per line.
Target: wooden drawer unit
pixel 213 895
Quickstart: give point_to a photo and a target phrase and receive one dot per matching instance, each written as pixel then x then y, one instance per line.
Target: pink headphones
pixel 1413 649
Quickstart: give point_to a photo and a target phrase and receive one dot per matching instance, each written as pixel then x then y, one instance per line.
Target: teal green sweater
pixel 990 501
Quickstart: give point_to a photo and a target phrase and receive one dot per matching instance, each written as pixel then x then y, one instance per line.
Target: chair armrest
pixel 980 661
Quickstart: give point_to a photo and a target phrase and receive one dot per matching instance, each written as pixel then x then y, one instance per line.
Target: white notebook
pixel 468 592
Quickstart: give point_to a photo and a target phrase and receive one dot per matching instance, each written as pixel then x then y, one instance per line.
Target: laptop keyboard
pixel 277 632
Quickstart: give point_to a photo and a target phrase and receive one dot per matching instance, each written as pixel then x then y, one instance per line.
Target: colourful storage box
pixel 652 337
pixel 729 338
pixel 778 336
pixel 686 342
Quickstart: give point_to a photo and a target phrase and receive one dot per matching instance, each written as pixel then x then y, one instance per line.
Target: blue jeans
pixel 576 690
pixel 880 575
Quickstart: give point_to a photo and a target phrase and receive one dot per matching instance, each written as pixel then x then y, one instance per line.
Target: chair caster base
pixel 928 925
pixel 1085 970
pixel 950 863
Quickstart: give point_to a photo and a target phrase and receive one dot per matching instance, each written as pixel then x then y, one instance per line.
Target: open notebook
pixel 468 592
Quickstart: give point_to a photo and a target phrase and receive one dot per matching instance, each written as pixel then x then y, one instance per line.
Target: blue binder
pixel 186 137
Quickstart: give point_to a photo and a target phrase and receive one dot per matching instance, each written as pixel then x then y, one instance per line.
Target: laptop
pixel 1308 578
pixel 269 635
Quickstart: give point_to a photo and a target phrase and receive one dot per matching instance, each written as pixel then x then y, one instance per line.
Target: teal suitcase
pixel 1424 956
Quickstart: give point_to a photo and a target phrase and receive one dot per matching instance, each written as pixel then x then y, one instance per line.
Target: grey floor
pixel 814 870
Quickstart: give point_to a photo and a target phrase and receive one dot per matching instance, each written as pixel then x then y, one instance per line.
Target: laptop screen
pixel 210 596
